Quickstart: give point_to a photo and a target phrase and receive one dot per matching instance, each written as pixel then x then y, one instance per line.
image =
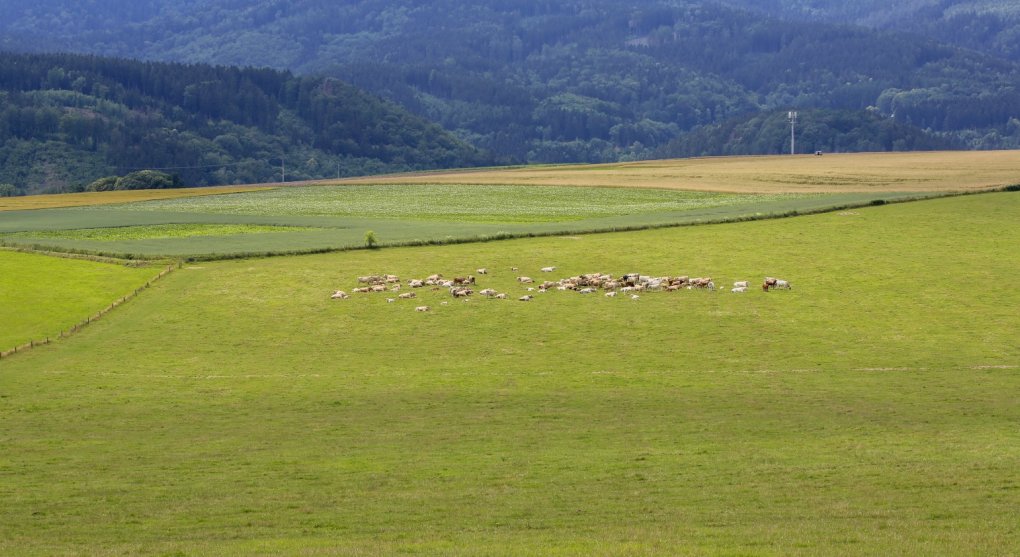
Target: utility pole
pixel 337 171
pixel 793 126
pixel 283 169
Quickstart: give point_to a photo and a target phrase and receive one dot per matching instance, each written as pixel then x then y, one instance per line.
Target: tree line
pixel 67 120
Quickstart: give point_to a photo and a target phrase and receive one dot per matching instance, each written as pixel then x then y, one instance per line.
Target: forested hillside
pixel 66 120
pixel 828 131
pixel 574 80
pixel 991 26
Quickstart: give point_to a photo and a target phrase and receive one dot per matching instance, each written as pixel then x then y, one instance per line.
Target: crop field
pixel 151 232
pixel 41 296
pixel 484 204
pixel 314 218
pixel 831 173
pixel 234 409
pixel 110 197
pixel 470 203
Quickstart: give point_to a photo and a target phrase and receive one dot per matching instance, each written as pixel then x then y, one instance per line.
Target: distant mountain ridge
pixel 66 120
pixel 989 26
pixel 573 80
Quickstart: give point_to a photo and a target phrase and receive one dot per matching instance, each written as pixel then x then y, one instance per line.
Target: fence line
pixel 88 320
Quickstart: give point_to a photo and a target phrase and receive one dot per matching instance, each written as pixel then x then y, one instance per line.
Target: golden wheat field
pixel 858 172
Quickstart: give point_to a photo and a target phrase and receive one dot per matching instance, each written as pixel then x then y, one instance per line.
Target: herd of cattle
pixel 630 284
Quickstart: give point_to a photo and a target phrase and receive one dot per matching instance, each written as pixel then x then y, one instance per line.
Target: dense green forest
pixel 66 120
pixel 828 131
pixel 590 80
pixel 990 26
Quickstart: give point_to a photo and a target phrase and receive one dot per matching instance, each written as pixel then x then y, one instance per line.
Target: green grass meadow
pixel 234 409
pixel 41 296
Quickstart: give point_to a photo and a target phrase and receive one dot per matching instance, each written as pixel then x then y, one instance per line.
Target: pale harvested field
pixel 941 171
pixel 843 173
pixel 108 197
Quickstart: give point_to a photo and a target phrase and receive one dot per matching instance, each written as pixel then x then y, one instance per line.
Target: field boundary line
pixel 79 256
pixel 90 319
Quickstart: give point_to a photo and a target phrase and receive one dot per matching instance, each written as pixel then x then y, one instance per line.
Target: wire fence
pixel 90 319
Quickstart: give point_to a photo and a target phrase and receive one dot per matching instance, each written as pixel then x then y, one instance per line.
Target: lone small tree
pixel 370 239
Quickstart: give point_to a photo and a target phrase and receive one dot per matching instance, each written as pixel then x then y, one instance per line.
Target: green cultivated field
pixel 318 218
pixel 152 232
pixel 233 409
pixel 41 296
pixel 451 202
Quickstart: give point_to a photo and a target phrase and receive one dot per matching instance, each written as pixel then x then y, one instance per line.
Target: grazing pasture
pixel 235 409
pixel 41 296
